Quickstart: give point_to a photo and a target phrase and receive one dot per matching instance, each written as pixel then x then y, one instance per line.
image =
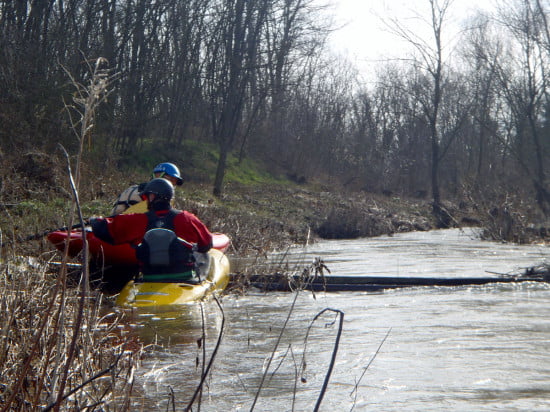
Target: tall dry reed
pixel 58 349
pixel 35 338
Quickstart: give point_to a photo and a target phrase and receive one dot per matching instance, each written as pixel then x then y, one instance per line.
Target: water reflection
pixel 169 326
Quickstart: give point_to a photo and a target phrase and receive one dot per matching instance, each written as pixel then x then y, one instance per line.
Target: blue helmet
pixel 169 169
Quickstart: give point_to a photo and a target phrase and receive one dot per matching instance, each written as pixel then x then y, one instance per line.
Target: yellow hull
pixel 163 293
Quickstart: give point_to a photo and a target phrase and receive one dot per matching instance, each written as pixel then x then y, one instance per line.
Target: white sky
pixel 365 40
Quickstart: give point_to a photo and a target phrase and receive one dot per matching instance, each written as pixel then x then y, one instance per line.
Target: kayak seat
pixel 163 255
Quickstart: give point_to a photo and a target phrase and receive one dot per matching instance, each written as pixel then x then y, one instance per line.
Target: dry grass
pixel 37 332
pixel 58 349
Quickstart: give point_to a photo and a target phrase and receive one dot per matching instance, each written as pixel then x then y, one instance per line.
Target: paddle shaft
pixel 59 229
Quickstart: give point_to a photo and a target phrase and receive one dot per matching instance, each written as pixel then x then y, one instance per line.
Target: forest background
pixel 284 136
pixel 225 83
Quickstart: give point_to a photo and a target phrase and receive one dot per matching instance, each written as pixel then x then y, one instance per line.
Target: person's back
pixel 162 255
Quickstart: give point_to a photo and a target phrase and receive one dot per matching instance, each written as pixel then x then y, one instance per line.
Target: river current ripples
pixel 467 348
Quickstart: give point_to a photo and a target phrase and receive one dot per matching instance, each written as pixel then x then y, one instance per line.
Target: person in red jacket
pixel 164 238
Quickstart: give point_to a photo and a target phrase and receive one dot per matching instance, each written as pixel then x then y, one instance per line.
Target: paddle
pixel 59 229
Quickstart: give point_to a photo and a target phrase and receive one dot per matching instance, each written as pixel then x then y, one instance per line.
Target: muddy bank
pixel 270 217
pixel 258 218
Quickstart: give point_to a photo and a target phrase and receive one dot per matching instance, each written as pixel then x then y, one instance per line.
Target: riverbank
pixel 261 217
pixel 272 216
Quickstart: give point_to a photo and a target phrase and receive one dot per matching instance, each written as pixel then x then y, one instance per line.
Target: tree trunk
pixel 220 171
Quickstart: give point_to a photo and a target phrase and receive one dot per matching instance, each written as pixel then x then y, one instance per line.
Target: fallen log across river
pixel 376 283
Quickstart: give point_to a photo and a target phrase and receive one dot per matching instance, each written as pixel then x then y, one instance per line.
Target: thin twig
pixel 207 370
pixel 98 375
pixel 280 363
pixel 274 350
pixel 172 400
pixel 84 286
pixel 355 389
pixel 203 337
pixel 334 351
pixel 296 374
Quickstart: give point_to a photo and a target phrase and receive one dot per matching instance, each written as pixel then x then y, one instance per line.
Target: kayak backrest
pixel 161 251
pixel 158 241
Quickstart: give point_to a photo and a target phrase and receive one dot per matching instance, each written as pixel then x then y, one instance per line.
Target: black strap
pixel 155 221
pixel 127 202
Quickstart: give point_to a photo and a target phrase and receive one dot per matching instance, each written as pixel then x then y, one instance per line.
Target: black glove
pixel 94 221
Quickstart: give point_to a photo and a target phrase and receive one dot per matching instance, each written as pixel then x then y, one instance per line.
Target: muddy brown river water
pixel 471 348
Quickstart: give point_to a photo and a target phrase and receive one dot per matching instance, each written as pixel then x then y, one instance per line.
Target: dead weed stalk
pixel 56 348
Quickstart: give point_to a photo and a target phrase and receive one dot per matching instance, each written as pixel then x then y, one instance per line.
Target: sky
pixel 365 40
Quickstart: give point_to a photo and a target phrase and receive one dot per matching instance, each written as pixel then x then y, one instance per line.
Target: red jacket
pixel 130 228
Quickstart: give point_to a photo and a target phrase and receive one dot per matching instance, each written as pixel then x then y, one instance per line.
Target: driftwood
pixel 279 282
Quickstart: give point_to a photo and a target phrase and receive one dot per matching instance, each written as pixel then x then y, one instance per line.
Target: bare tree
pixel 430 60
pixel 233 49
pixel 480 51
pixel 523 82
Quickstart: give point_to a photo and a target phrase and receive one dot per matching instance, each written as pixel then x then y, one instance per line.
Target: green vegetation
pixel 250 173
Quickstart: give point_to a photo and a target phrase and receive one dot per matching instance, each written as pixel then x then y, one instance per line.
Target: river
pixel 481 348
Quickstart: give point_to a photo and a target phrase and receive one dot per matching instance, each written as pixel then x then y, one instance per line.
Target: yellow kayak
pixel 141 294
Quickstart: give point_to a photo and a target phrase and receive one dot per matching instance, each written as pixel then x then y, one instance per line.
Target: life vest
pixel 164 256
pixel 128 198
